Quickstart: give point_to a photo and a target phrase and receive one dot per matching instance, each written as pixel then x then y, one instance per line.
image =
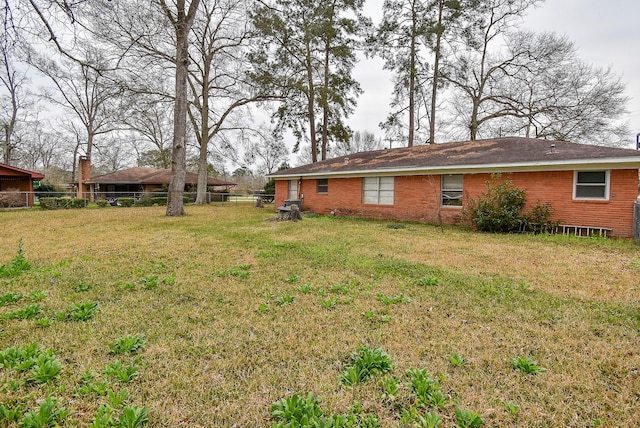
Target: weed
pixel 124 374
pixel 511 408
pixel 264 307
pixel 457 361
pixel 292 279
pixel 306 288
pixel 8 298
pixel 37 295
pixel 82 311
pixel 339 289
pixel 104 418
pixel 284 300
pixel 466 418
pixel 366 362
pixel 127 344
pixel 8 415
pixel 149 282
pixel 118 399
pixel 427 281
pixel 298 411
pixel 425 388
pixel 526 365
pixel 428 420
pixel 242 272
pixel 47 415
pixel 26 313
pixel 170 280
pixel 328 303
pixel 390 388
pixel 45 368
pixel 82 287
pixel 18 265
pixel 133 417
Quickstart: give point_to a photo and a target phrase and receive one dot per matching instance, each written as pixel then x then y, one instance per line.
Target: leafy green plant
pixel 47 415
pixel 43 322
pixel 170 280
pixel 121 372
pixel 118 399
pixel 511 408
pixel 306 288
pixel 8 298
pixel 127 344
pixel 133 417
pixel 37 295
pixel 328 303
pixel 285 299
pixel 366 362
pixel 82 311
pixel 243 272
pixel 19 358
pixel 297 411
pixel 457 360
pixel 104 418
pixel 466 418
pixel 149 282
pixel 390 388
pixel 428 420
pixel 263 307
pixel 427 281
pixel 82 287
pixel 426 389
pixel 8 415
pixel 45 368
pixel 498 209
pixel 539 218
pixel 526 365
pixel 26 313
pixel 292 279
pixel 390 300
pixel 18 265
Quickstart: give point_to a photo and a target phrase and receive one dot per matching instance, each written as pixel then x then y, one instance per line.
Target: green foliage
pixel 466 418
pixel 127 344
pixel 8 415
pixel 390 388
pixel 390 300
pixel 124 374
pixel 104 418
pixel 498 209
pixel 284 300
pixel 539 218
pixel 37 295
pixel 243 271
pixel 133 417
pixel 8 298
pixel 102 203
pixel 428 420
pixel 297 411
pixel 63 203
pixel 82 311
pixel 46 368
pixel 511 408
pixel 425 388
pixel 149 282
pixel 526 365
pixel 118 399
pixel 82 287
pixel 126 202
pixel 365 363
pixel 270 187
pixel 47 415
pixel 456 360
pixel 427 281
pixel 26 313
pixel 18 265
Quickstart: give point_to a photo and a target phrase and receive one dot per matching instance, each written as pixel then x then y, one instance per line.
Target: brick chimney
pixel 84 173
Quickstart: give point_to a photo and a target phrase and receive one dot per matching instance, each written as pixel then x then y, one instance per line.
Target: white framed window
pixel 451 190
pixel 293 189
pixel 591 185
pixel 377 190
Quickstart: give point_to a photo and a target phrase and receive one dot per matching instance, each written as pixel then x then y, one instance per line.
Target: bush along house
pixel 591 189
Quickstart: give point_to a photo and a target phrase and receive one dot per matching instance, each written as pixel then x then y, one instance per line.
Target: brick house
pixel 591 187
pixel 16 185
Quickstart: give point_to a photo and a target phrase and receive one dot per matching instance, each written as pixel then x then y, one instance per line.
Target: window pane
pixel 452 198
pixel 322 185
pixel 590 191
pixel 452 182
pixel 596 177
pixel 370 197
pixel 371 183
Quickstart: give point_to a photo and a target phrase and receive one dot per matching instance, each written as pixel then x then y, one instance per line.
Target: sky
pixel 606 33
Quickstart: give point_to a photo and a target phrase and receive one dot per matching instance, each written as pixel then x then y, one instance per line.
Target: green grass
pixel 212 318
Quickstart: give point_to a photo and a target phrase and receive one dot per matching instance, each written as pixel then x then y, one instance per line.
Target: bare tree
pixel 149 119
pixel 360 142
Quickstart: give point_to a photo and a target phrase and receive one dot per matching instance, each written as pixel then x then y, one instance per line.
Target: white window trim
pixel 378 179
pixel 442 191
pixel 607 185
pixel 294 184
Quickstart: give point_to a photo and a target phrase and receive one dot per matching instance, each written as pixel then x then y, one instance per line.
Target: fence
pixel 14 199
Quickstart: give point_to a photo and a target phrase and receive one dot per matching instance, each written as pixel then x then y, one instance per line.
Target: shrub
pixel 102 203
pixel 11 198
pixel 126 202
pixel 498 209
pixel 63 203
pixel 539 218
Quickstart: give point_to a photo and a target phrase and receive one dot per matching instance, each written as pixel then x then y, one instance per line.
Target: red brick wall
pixel 418 198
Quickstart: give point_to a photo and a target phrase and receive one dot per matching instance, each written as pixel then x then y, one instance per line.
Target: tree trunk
pixel 310 105
pixel 412 80
pixel 436 65
pixel 175 204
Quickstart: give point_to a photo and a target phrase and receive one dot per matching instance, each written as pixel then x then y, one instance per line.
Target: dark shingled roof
pixel 500 152
pixel 140 175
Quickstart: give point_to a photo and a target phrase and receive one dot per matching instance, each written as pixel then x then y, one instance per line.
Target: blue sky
pixel 606 34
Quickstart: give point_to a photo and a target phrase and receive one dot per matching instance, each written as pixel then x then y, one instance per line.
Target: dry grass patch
pixel 238 313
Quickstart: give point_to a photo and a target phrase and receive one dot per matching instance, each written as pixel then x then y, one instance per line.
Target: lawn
pixel 211 320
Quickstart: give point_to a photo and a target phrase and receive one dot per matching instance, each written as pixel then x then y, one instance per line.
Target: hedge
pixel 63 203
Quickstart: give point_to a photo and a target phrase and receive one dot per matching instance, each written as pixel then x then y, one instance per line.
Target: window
pixel 378 190
pixel 451 190
pixel 293 189
pixel 591 185
pixel 322 185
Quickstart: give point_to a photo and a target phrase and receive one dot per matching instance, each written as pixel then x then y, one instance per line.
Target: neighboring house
pixel 137 180
pixel 588 186
pixel 16 185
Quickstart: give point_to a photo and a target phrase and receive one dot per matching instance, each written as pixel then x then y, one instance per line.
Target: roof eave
pixel 561 165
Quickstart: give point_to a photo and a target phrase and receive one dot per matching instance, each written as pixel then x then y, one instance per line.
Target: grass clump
pixel 18 264
pixel 365 363
pixel 127 344
pixel 526 365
